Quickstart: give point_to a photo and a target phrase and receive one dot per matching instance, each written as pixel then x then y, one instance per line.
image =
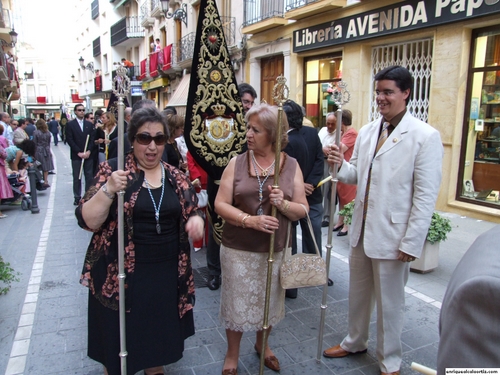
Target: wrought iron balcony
pixel 186 49
pixel 145 18
pixel 262 15
pixel 126 29
pixel 229 26
pixel 156 10
pixel 133 73
pixel 298 9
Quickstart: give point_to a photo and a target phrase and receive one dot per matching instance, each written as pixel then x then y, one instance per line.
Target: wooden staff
pixel 341 96
pixel 83 160
pixel 280 94
pixel 121 87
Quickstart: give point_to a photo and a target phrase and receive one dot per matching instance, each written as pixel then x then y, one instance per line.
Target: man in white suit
pixel 470 315
pixel 397 160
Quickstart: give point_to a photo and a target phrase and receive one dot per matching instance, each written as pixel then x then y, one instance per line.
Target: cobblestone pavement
pixel 43 317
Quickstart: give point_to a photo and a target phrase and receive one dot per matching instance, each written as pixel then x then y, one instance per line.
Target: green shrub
pixel 438 229
pixel 346 212
pixel 7 276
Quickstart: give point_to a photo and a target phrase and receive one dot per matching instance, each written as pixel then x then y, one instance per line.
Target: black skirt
pixel 155 333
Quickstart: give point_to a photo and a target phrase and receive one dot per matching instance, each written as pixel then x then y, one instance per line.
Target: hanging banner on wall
pixel 396 18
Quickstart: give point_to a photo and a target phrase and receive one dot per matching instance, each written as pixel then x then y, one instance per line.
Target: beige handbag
pixel 302 270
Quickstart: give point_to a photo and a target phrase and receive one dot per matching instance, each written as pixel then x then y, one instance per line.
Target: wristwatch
pixel 106 192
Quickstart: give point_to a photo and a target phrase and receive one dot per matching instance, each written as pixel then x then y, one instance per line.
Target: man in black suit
pixel 54 129
pixel 77 131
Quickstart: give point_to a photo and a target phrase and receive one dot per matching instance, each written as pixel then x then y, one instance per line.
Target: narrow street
pixel 43 317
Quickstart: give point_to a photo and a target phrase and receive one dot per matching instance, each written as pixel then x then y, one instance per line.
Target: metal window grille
pixel 416 56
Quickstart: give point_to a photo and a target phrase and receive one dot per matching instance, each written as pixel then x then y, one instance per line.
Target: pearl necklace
pixel 264 171
pixel 260 210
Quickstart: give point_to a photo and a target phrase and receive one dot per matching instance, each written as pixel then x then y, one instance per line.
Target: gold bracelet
pixel 286 205
pixel 243 221
pixel 238 217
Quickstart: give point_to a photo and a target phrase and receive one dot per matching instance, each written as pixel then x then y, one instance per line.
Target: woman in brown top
pixel 244 201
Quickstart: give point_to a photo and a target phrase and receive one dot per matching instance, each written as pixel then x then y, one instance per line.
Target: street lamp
pixel 13 38
pixel 178 14
pixel 89 66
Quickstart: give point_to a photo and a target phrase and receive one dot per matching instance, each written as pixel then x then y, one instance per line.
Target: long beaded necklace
pixel 157 208
pixel 260 211
pixel 264 171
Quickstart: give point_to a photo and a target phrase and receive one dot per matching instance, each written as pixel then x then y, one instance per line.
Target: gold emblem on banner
pixel 219 137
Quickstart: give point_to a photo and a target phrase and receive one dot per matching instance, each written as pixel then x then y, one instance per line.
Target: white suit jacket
pixel 405 179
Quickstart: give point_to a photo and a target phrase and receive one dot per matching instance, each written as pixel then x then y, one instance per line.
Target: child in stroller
pixel 18 186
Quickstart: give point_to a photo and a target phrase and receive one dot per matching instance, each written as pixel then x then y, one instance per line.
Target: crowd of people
pixel 23 145
pixel 164 219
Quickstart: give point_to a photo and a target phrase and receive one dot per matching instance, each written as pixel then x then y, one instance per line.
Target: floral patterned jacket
pixel 100 269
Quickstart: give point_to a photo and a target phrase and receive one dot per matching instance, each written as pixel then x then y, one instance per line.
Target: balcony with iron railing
pixel 298 9
pixel 127 32
pixel 263 15
pixel 156 10
pixel 133 73
pixel 186 50
pixel 145 19
pixel 229 28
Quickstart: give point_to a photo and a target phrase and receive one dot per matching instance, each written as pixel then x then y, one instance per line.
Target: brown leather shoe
pixel 230 371
pixel 270 362
pixel 390 373
pixel 337 352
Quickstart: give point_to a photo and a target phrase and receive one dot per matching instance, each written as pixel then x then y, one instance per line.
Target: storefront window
pixel 321 75
pixel 480 181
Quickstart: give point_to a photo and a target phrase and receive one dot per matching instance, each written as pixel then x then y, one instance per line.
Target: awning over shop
pixel 180 95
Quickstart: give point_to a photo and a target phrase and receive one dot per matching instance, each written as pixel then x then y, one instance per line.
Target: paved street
pixel 43 317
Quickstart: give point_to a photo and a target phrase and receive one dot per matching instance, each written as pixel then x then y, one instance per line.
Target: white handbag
pixel 302 270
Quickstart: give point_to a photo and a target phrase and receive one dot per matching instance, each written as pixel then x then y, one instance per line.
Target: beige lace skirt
pixel 243 290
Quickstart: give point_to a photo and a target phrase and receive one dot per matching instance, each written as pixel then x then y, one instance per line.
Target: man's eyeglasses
pixel 247 102
pixel 80 110
pixel 145 139
pixel 385 92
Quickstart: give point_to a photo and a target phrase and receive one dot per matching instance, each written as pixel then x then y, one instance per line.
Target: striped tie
pixel 381 139
pixel 383 136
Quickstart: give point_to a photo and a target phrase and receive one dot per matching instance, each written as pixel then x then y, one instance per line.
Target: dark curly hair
pixel 28 147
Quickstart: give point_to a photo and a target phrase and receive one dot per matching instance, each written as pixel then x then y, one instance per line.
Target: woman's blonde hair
pixel 268 116
pixel 112 121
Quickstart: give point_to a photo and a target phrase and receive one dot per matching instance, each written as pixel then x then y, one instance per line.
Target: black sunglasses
pixel 145 139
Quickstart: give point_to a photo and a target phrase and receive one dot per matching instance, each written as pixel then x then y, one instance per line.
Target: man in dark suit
pixel 305 146
pixel 470 314
pixel 54 129
pixel 77 132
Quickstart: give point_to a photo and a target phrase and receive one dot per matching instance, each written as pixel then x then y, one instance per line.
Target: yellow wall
pixel 450 65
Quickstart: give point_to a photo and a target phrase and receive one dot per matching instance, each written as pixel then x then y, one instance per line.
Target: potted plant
pixel 438 231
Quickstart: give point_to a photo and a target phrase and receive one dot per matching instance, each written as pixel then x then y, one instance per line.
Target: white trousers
pixel 382 282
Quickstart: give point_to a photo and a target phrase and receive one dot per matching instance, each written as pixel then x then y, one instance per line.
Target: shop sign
pixel 396 18
pixel 136 91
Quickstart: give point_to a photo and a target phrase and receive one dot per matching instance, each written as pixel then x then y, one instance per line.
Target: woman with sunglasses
pixel 160 214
